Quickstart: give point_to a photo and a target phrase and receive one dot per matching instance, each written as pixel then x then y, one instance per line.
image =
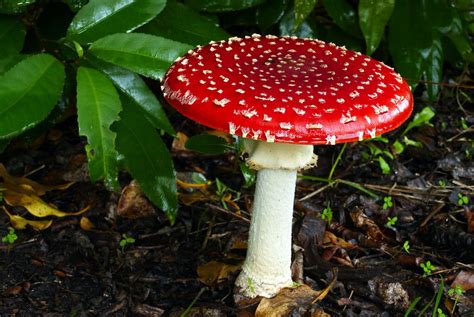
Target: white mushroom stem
pixel 267 266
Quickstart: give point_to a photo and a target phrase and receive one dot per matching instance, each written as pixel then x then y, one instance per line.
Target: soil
pixel 188 269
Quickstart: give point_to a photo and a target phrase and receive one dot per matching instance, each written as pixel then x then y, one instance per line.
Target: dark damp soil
pixel 72 269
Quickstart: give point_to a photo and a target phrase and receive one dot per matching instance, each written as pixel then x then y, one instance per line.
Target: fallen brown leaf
pixel 214 272
pixel 288 302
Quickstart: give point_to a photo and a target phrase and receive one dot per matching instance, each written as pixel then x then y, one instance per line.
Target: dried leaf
pixel 215 272
pixel 179 142
pixel 470 220
pixel 35 205
pixel 86 224
pixel 362 221
pixel 133 204
pixel 20 223
pixel 27 185
pixel 288 302
pixel 465 280
pixel 330 239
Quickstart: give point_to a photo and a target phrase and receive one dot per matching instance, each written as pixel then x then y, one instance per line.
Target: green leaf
pixel 269 13
pixel 28 92
pixel 145 54
pixel 432 69
pixel 287 23
pixel 384 166
pixel 222 5
pixel 10 61
pixel 12 36
pixel 421 118
pixel 147 159
pixel 344 15
pixel 98 106
pixel 191 27
pixel 302 9
pixel 410 38
pixel 373 17
pixel 208 144
pixel 137 90
pixel 14 6
pixel 99 18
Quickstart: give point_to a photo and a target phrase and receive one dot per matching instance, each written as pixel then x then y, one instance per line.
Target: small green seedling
pixel 387 202
pixel 462 200
pixel 442 183
pixel 126 240
pixel 391 221
pixel 10 237
pixel 327 213
pixel 455 293
pixel 406 246
pixel 440 313
pixel 427 267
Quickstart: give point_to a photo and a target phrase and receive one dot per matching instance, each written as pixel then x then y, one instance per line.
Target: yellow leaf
pixel 35 205
pixel 215 272
pixel 86 224
pixel 20 223
pixel 24 184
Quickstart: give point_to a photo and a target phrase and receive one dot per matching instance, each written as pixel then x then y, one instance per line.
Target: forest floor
pixel 400 240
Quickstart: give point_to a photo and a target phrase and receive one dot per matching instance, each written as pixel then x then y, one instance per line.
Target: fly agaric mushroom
pixel 283 95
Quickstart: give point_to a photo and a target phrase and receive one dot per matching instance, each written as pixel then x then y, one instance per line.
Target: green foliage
pixel 10 237
pixel 28 93
pixel 387 203
pixel 147 158
pixel 391 221
pixel 462 200
pixel 373 17
pixel 125 241
pixel 145 54
pixel 327 213
pixel 98 107
pixel 406 246
pixel 105 47
pixel 99 18
pixel 208 144
pixel 427 267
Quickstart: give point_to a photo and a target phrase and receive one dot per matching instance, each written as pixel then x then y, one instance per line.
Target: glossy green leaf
pixel 384 166
pixel 373 17
pixel 14 6
pixel 269 13
pixel 222 5
pixel 145 54
pixel 208 144
pixel 99 18
pixel 10 61
pixel 28 92
pixel 136 89
pixel 432 69
pixel 344 15
pixel 147 159
pixel 98 107
pixel 191 27
pixel 302 9
pixel 287 23
pixel 12 36
pixel 410 38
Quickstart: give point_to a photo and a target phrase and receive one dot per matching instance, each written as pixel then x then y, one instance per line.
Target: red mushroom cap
pixel 286 89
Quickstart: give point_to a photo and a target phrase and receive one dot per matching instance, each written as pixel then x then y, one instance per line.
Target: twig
pixel 217 208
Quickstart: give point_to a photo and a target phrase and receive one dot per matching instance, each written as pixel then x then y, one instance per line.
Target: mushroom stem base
pixel 267 266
